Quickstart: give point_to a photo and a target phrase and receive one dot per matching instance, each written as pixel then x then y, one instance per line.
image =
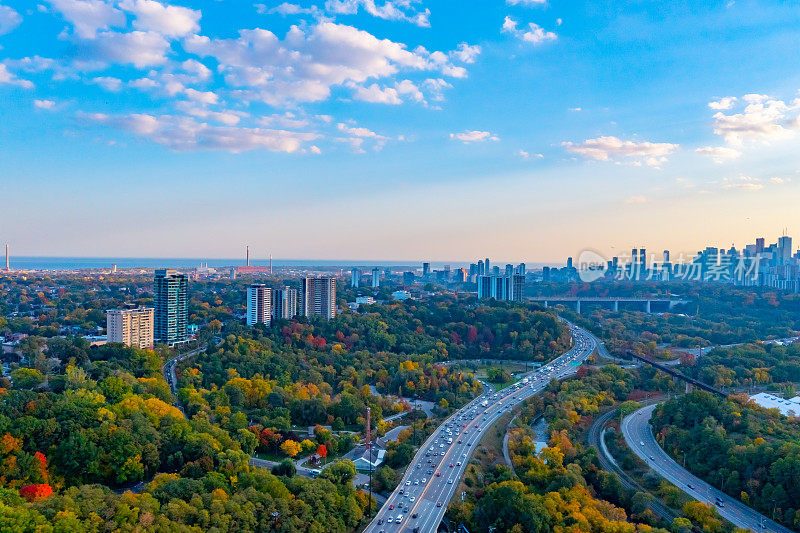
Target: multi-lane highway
pixel 420 500
pixel 638 434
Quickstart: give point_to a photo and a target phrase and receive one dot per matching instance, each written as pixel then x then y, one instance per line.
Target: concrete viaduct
pixel 646 303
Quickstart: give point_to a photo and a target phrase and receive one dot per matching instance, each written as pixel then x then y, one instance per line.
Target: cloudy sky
pixel 396 129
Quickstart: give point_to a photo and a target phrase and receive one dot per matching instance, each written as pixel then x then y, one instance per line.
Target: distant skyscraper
pixel 507 288
pixel 569 262
pixel 259 305
pixel 517 288
pixel 642 259
pixel 171 306
pixel 521 268
pixel 284 303
pixel 666 256
pixel 355 277
pixel 461 275
pixel 131 327
pixel 487 267
pixel 426 269
pixel 481 268
pixel 509 269
pixel 784 249
pixel 495 270
pixel 318 297
pixel 376 278
pixel 408 278
pixel 759 245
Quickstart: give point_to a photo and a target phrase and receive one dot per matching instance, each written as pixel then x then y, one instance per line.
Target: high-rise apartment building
pixel 376 278
pixel 318 297
pixel 426 270
pixel 284 303
pixel 507 288
pixel 509 269
pixel 516 291
pixel 131 327
pixel 355 277
pixel 172 306
pixel 259 304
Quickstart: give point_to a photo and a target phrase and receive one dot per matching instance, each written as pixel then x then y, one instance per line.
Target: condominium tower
pixel 131 327
pixel 318 297
pixel 259 305
pixel 172 306
pixel 284 303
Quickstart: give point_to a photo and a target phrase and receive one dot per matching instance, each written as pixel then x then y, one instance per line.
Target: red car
pixel 438 474
pixel 451 465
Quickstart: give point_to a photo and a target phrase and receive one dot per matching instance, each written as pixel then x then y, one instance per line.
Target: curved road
pixel 420 500
pixel 639 435
pixel 609 464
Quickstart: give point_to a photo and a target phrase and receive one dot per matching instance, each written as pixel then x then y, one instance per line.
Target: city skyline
pixel 612 124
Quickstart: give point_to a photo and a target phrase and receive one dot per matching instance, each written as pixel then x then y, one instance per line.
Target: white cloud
pixel 356 131
pixel 471 136
pixel 171 21
pixel 187 134
pixel 743 183
pixel 10 79
pixel 44 104
pixel 388 95
pixel 723 103
pixel 719 153
pixel 228 118
pixel 535 34
pixel 357 135
pixel 527 3
pixel 9 19
pixel 636 200
pixel 466 53
pixel 522 154
pixel 310 61
pixel 139 48
pixel 613 148
pixel 390 10
pixel 285 120
pixel 89 16
pixel 287 9
pixel 113 85
pixel 436 87
pixel 202 97
pixel 763 119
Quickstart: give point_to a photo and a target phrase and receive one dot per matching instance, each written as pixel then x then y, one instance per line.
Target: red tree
pixel 322 451
pixel 35 492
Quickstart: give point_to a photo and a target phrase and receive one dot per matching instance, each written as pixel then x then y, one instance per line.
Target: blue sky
pixel 396 129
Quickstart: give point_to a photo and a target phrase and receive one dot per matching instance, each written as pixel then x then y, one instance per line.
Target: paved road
pixel 421 499
pixel 639 435
pixel 169 370
pixel 609 464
